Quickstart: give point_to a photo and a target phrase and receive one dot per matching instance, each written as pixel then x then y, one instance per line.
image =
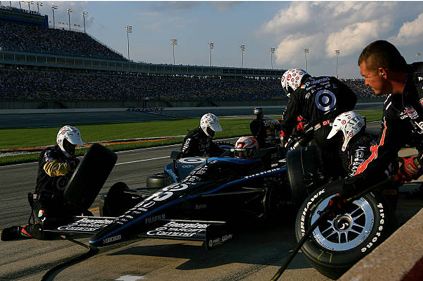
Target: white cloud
pixel 324 27
pixel 410 33
pixel 353 36
pixel 290 52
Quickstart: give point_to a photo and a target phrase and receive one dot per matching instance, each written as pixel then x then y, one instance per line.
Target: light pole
pixel 128 30
pixel 53 7
pixel 418 55
pixel 69 11
pixel 211 46
pixel 84 14
pixel 29 5
pixel 174 43
pixel 272 51
pixel 242 55
pixel 38 6
pixel 337 53
pixel 306 51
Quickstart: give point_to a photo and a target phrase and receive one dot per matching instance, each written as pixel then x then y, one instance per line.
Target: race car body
pixel 217 190
pixel 200 203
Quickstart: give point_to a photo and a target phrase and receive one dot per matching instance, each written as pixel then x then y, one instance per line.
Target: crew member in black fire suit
pixel 265 129
pixel 319 100
pixel 199 142
pixel 355 147
pixel 385 70
pixel 354 143
pixel 56 166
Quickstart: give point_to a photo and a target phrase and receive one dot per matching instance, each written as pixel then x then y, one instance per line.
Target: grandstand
pixel 44 67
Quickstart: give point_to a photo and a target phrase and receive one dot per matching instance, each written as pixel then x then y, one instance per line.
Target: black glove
pixel 74 163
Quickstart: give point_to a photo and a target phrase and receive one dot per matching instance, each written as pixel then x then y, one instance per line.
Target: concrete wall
pixel 140 104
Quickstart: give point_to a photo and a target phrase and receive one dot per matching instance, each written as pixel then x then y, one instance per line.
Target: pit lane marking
pixel 130 278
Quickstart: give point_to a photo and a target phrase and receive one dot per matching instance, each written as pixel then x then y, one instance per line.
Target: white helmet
pixel 246 147
pixel 209 120
pixel 68 134
pixel 291 80
pixel 350 123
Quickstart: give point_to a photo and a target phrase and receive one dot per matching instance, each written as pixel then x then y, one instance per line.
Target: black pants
pixel 48 214
pixel 328 151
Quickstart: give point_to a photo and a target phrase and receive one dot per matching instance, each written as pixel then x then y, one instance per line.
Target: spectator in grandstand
pixel 45 85
pixel 199 142
pixel 358 87
pixel 55 168
pixel 32 38
pixel 319 100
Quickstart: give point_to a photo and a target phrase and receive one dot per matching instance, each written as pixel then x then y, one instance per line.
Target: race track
pixel 256 252
pixel 58 118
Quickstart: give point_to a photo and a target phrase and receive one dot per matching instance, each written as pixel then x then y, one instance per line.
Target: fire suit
pixel 265 130
pixel 319 100
pixel 47 202
pixel 402 124
pixel 197 143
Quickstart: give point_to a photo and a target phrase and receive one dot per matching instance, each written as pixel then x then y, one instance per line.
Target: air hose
pixel 49 275
pixel 300 244
pixel 323 215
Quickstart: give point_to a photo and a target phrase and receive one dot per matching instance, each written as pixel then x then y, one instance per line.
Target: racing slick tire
pixel 302 168
pixel 90 176
pixel 156 181
pixel 118 200
pixel 339 242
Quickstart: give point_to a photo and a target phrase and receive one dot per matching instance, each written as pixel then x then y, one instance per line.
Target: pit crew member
pixel 318 100
pixel 265 129
pixel 56 165
pixel 199 142
pixel 385 70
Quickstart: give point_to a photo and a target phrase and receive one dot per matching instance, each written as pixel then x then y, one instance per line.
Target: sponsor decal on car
pixel 154 218
pixel 86 225
pixel 175 229
pixel 219 240
pixel 112 239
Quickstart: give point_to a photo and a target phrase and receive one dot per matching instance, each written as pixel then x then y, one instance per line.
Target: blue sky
pixel 290 27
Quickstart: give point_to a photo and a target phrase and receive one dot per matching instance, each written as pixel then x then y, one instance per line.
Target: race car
pixel 199 199
pixel 199 204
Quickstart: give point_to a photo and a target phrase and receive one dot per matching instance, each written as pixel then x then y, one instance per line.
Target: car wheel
pixel 118 200
pixel 90 176
pixel 302 168
pixel 156 181
pixel 338 243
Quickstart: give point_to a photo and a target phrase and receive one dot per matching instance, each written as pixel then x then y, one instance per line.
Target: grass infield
pixel 40 137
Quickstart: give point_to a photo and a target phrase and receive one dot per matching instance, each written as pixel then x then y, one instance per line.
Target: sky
pixel 322 27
